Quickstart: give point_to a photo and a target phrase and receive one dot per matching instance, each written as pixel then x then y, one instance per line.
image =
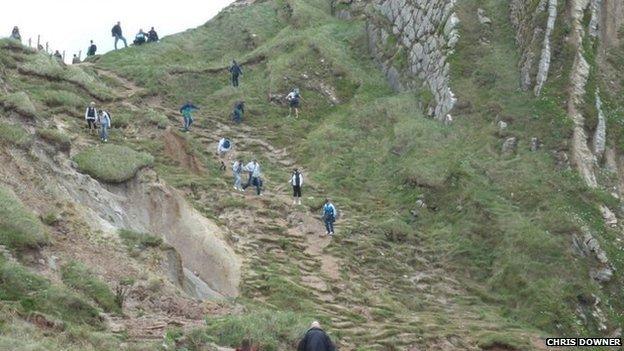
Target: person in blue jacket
pixel 236 70
pixel 186 110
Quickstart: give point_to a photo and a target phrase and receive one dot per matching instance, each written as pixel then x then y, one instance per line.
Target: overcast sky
pixel 70 24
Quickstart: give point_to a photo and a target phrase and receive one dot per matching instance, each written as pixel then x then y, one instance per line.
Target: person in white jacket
pixel 223 147
pixel 105 123
pixel 253 168
pixel 91 115
pixel 296 180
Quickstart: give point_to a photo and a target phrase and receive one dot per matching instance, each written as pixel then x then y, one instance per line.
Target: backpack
pixel 226 144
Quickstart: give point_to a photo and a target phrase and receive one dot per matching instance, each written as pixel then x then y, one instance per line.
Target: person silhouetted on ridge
pixel 57 55
pixel 316 339
pixel 75 59
pixel 236 70
pixel 294 101
pixel 92 49
pixel 91 115
pixel 152 36
pixel 140 38
pixel 118 35
pixel 15 34
pixel 186 110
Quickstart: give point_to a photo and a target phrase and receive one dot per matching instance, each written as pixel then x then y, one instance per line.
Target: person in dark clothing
pixel 239 112
pixel 118 35
pixel 15 34
pixel 152 36
pixel 91 114
pixel 140 38
pixel 236 71
pixel 75 59
pixel 92 49
pixel 57 55
pixel 316 339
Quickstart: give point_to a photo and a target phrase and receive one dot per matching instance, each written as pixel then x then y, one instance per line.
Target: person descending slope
pixel 92 49
pixel 253 168
pixel 316 339
pixel 223 147
pixel 91 116
pixel 105 123
pixel 237 170
pixel 118 35
pixel 329 216
pixel 15 34
pixel 294 101
pixel 186 110
pixel 296 180
pixel 239 111
pixel 152 36
pixel 140 38
pixel 236 70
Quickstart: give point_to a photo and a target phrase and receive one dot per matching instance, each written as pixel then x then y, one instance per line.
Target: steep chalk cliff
pixel 411 41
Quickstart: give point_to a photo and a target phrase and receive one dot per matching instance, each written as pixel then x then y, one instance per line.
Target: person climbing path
pixel 237 170
pixel 238 112
pixel 329 217
pixel 186 110
pixel 91 116
pixel 92 49
pixel 223 147
pixel 294 102
pixel 296 180
pixel 118 34
pixel 15 34
pixel 236 71
pixel 253 168
pixel 105 123
pixel 316 339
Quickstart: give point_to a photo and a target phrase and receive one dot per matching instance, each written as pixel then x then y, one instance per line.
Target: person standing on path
pixel 296 180
pixel 15 34
pixel 236 70
pixel 118 35
pixel 294 102
pixel 105 123
pixel 329 217
pixel 316 339
pixel 253 168
pixel 91 116
pixel 237 171
pixel 186 111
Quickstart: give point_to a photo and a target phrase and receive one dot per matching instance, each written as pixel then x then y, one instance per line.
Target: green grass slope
pixel 502 225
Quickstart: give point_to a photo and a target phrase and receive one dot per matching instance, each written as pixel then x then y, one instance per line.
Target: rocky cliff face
pixel 411 41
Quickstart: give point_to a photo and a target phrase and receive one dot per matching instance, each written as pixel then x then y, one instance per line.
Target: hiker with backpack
pixel 294 101
pixel 15 34
pixel 236 71
pixel 186 110
pixel 316 339
pixel 92 49
pixel 223 147
pixel 237 170
pixel 152 36
pixel 118 34
pixel 105 123
pixel 329 217
pixel 239 112
pixel 296 180
pixel 253 168
pixel 91 116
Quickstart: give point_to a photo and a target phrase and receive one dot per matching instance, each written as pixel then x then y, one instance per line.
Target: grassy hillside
pixel 489 260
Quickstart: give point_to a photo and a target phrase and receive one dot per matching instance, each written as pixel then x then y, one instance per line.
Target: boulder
pixel 535 144
pixel 510 145
pixel 483 19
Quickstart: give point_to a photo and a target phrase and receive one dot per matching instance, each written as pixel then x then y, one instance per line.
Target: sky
pixel 70 24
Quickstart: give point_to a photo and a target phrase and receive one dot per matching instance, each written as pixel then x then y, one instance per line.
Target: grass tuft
pixel 112 163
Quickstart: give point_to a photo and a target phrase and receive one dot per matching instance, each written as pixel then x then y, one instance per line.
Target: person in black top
pixel 118 35
pixel 236 72
pixel 92 49
pixel 152 36
pixel 316 339
pixel 91 114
